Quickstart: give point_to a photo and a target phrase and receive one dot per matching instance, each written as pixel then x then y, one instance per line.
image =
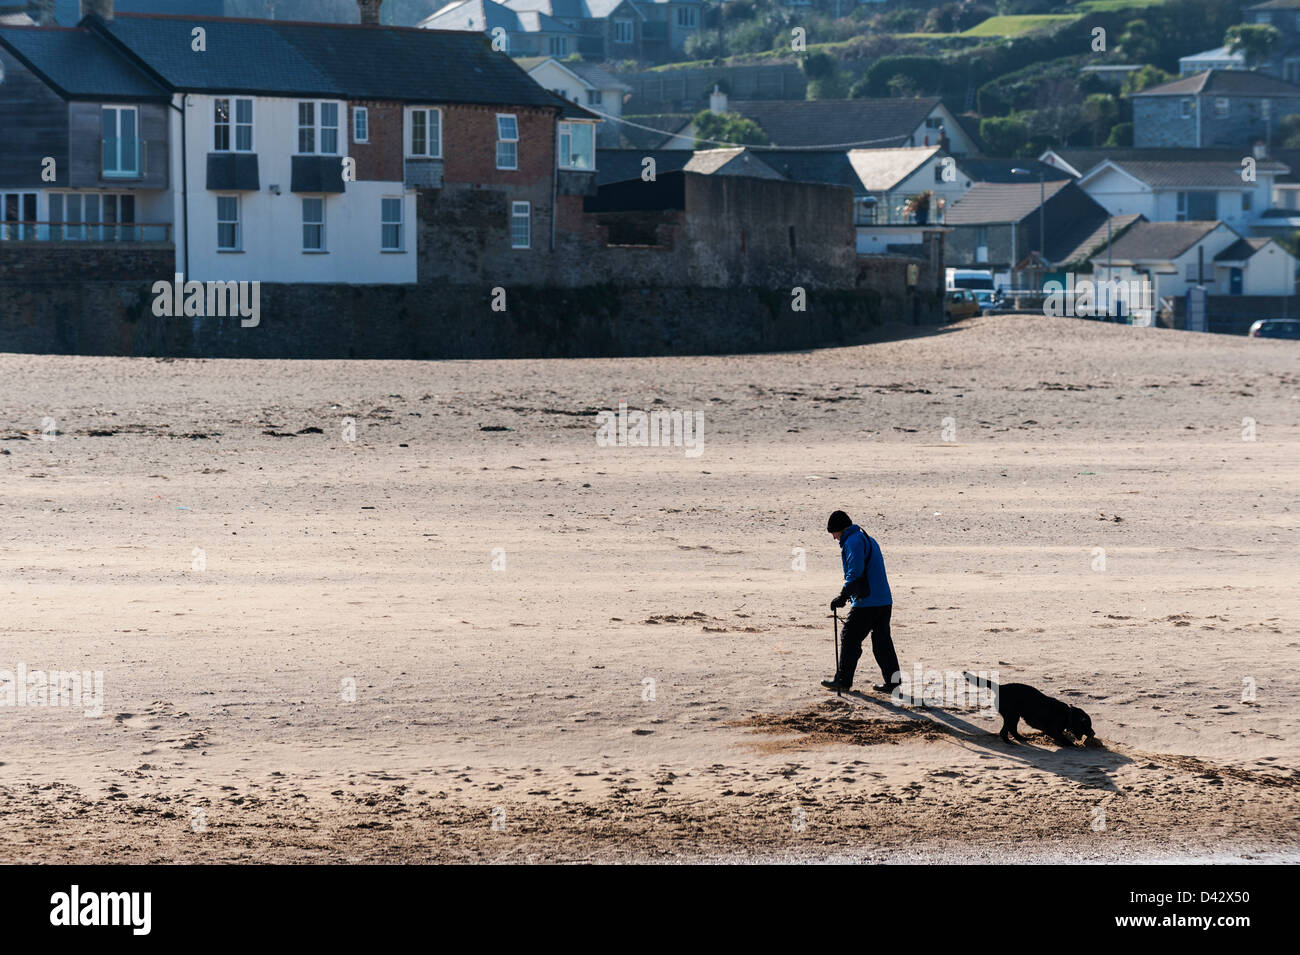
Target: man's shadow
pixel 1087 766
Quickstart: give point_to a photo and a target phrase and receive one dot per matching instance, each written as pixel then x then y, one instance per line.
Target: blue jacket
pixel 860 554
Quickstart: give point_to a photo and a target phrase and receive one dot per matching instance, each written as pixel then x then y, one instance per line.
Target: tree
pixel 1100 112
pixel 727 128
pixel 925 71
pixel 1252 40
pixel 1004 135
pixel 825 81
pixel 1137 43
pixel 1288 131
pixel 1145 78
pixel 1121 136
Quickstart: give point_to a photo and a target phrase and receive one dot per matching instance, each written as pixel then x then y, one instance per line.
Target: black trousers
pixel 860 622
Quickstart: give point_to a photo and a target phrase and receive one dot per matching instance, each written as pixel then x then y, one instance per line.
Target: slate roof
pixel 999 170
pixel 1191 174
pixel 1224 83
pixel 843 123
pixel 277 58
pixel 664 127
pixel 1086 159
pixel 77 64
pixel 481 15
pixel 990 203
pixel 808 165
pixel 1241 250
pixel 1114 226
pixel 620 165
pixel 590 73
pixel 1157 241
pixel 571 9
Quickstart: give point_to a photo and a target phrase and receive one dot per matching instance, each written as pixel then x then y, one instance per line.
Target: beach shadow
pixel 1091 767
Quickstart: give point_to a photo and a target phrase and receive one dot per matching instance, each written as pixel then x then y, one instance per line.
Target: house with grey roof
pixel 1228 108
pixel 588 84
pixel 1219 58
pixel 668 25
pixel 530 33
pixel 1283 60
pixel 1237 190
pixel 1011 228
pixel 606 29
pixel 305 152
pixel 858 123
pixel 1174 257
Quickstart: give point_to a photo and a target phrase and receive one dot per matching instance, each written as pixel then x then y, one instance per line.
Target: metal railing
pixel 22 231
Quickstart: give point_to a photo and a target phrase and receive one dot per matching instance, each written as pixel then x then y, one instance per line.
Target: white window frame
pixel 232 124
pixel 1188 108
pixel 318 223
pixel 686 16
pixel 1220 107
pixel 361 121
pixel 317 127
pixel 238 245
pixel 119 172
pixel 624 28
pixel 595 97
pixel 558 45
pixel 409 135
pixel 564 139
pixel 504 140
pixel 521 211
pixel 385 224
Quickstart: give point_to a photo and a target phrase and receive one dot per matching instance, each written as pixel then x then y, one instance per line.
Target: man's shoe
pixel 885 687
pixel 835 685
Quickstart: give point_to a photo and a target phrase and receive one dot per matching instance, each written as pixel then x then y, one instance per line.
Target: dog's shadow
pixel 1086 765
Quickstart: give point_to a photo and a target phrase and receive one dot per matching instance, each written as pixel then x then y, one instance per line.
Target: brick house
pixel 302 153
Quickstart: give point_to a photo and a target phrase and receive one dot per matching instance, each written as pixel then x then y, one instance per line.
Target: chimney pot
pixel 369 10
pixel 103 8
pixel 41 12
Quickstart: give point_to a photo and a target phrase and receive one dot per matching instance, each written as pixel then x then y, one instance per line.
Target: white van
pixel 969 279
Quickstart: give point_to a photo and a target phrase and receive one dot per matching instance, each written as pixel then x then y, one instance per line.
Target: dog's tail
pixel 980 681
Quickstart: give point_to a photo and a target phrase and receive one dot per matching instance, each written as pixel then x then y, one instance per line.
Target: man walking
pixel 867 587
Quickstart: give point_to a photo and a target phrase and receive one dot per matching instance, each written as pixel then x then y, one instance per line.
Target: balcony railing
pixel 85 232
pixel 123 158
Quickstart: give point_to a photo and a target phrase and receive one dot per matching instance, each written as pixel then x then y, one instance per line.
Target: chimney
pixel 41 12
pixel 369 12
pixel 717 100
pixel 1261 149
pixel 102 8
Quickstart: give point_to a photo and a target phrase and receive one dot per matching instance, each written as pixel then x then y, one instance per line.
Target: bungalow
pixel 321 169
pixel 1177 256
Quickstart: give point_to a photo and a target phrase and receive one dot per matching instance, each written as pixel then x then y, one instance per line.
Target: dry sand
pixel 500 715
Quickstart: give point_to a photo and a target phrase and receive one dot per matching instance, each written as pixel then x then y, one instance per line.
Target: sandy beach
pixel 474 634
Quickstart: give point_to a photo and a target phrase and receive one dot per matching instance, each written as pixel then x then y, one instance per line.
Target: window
pixel 686 16
pixel 242 120
pixel 313 224
pixel 563 94
pixel 103 217
pixel 558 46
pixel 1221 107
pixel 318 128
pixel 981 243
pixel 1247 201
pixel 623 31
pixel 507 142
pixel 577 146
pixel 424 133
pixel 391 224
pixel 121 147
pixel 594 97
pixel 1188 108
pixel 17 215
pixel 228 223
pixel 520 225
pixel 1197 206
pixel 360 124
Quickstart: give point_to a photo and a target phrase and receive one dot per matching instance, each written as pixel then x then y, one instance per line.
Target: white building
pixel 587 84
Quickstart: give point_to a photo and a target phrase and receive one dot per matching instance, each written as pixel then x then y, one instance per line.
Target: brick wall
pixel 380 159
pixel 70 262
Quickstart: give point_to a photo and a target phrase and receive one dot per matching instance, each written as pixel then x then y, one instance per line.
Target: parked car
pixel 987 299
pixel 959 303
pixel 1275 328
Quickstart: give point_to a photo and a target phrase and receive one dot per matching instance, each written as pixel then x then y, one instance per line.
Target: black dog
pixel 1019 701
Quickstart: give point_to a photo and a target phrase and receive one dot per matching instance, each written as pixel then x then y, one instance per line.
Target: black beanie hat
pixel 838 522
